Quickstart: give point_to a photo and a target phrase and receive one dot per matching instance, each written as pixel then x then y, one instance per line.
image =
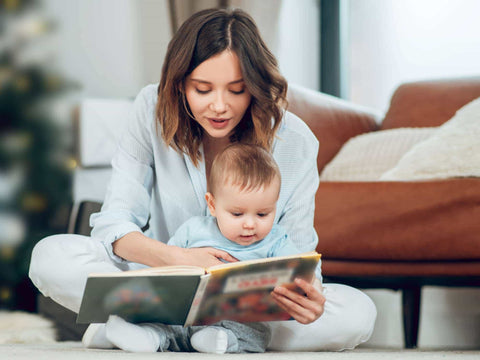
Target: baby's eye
pixel 236 214
pixel 262 214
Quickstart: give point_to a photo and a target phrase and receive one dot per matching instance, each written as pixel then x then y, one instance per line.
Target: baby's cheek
pixel 228 230
pixel 266 228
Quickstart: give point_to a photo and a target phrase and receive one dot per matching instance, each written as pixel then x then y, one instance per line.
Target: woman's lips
pixel 218 123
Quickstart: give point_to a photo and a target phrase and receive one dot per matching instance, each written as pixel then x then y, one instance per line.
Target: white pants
pixel 60 265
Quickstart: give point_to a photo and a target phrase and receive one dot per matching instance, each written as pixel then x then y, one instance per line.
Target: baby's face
pixel 245 216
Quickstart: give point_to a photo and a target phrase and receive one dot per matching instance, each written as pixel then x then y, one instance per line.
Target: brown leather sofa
pixel 401 234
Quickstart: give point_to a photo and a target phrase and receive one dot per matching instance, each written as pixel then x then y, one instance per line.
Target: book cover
pixel 189 295
pixel 242 293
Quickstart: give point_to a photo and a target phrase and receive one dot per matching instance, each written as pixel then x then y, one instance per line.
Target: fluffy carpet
pixel 18 327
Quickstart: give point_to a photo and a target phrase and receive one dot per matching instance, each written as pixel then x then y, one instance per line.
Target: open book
pixel 190 295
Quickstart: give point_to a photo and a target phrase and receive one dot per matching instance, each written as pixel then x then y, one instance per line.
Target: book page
pixel 153 271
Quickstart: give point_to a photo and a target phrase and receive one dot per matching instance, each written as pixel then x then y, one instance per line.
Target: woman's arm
pixel 139 248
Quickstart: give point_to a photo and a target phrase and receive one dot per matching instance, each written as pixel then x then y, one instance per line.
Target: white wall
pixel 111 47
pixel 394 41
pixel 298 42
pixel 290 29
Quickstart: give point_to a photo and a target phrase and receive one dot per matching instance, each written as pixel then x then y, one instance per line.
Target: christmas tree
pixel 35 147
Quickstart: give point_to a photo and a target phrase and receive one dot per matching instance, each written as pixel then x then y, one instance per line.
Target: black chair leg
pixel 411 315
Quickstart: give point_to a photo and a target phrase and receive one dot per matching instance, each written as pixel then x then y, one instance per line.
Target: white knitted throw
pixel 366 157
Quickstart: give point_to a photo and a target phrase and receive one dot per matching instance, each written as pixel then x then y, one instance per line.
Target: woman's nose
pixel 219 105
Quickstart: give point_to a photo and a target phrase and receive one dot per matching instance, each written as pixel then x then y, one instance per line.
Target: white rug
pixel 18 327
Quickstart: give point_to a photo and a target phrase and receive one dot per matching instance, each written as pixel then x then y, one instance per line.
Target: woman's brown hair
pixel 203 35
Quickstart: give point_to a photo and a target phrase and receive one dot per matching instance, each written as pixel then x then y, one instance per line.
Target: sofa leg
pixel 411 315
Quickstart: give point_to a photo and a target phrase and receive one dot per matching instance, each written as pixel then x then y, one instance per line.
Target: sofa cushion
pixel 366 157
pixel 452 151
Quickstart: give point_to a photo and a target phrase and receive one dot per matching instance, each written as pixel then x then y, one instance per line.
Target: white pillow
pixel 366 157
pixel 101 124
pixel 453 151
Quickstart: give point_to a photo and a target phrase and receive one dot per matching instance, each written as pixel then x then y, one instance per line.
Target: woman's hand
pixel 204 256
pixel 303 308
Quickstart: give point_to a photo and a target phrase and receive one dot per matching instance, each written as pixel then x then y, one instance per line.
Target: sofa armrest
pixel 332 120
pixel 400 221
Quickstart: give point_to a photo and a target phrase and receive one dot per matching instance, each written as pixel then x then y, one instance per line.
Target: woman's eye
pixel 202 91
pixel 237 92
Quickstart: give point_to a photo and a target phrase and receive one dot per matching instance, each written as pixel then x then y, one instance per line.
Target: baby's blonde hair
pixel 248 166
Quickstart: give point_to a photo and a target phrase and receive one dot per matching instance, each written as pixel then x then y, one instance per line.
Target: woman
pixel 219 84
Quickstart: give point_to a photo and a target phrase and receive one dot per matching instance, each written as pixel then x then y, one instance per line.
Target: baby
pixel 244 186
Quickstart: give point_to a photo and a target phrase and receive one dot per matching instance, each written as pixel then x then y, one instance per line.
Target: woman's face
pixel 217 95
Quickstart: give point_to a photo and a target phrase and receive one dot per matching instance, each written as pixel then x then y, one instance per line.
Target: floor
pixel 75 351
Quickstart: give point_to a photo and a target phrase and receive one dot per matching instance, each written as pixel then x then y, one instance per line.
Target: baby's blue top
pixel 203 231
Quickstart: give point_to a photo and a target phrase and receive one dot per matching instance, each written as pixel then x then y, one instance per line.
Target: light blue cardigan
pixel 152 180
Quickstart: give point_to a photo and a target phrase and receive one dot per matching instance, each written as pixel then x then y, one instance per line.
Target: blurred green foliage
pixel 35 150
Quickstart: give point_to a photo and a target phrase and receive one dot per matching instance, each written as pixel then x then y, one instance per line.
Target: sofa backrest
pixel 429 103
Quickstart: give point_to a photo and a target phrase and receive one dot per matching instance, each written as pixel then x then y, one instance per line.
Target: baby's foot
pixel 134 338
pixel 211 340
pixel 95 337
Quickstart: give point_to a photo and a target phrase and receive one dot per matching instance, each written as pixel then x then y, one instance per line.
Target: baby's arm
pixel 180 238
pixel 204 256
pixel 282 246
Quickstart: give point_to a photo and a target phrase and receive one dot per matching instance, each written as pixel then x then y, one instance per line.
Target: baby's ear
pixel 210 203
